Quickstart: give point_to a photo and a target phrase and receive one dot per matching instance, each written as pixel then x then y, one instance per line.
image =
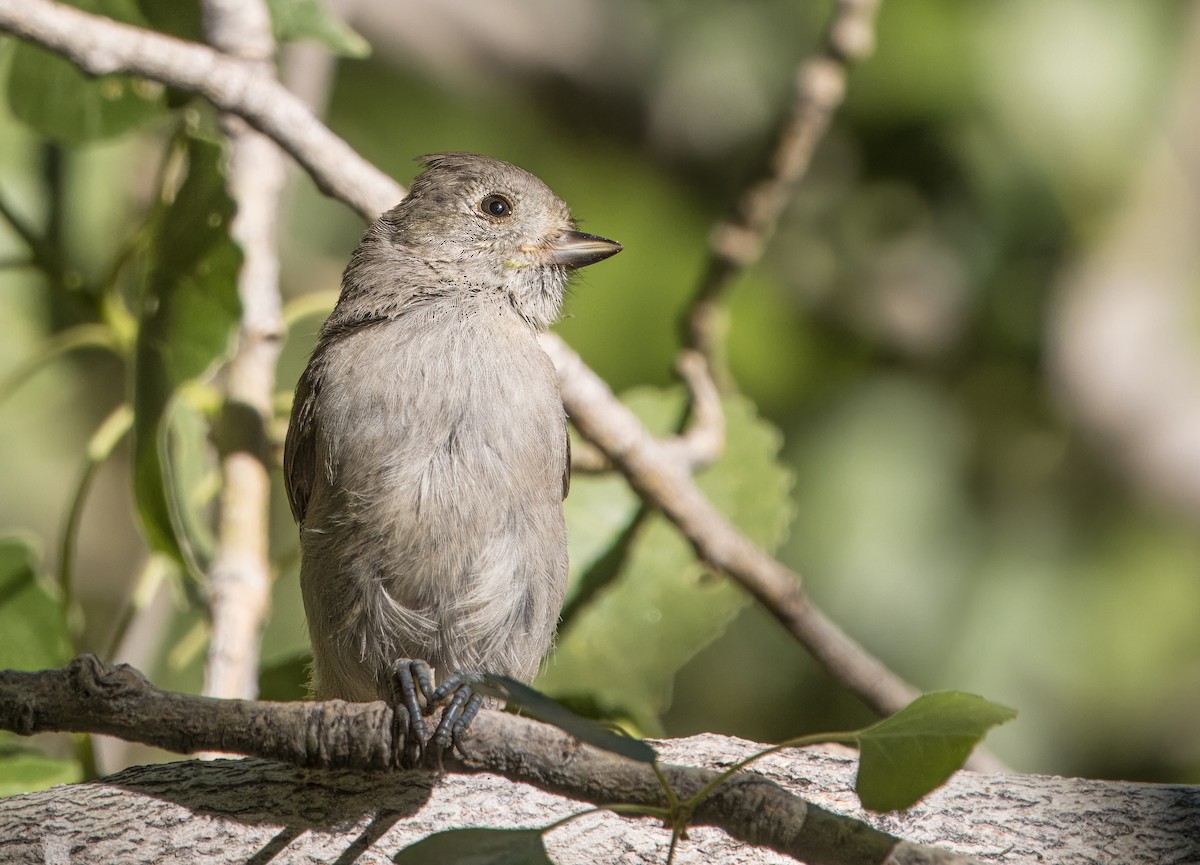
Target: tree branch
pixel 701 442
pixel 88 696
pixel 240 578
pixel 739 241
pixel 666 484
pixel 101 46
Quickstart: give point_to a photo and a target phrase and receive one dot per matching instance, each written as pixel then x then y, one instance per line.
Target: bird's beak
pixel 576 249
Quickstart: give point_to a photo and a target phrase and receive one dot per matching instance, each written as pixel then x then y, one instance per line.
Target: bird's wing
pixel 300 447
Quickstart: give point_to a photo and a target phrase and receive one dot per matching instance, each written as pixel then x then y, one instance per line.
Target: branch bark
pixel 355 808
pixel 88 696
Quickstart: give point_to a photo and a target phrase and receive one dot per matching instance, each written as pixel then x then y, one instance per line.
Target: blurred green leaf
pixel 286 634
pixel 598 510
pixel 537 704
pixel 57 100
pixel 285 680
pixel 179 666
pixel 31 616
pixel 190 473
pixel 907 756
pixel 478 847
pixel 188 313
pixel 313 19
pixel 27 770
pixel 624 648
pixel 182 20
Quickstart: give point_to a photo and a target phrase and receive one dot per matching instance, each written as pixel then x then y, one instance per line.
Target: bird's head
pixel 484 224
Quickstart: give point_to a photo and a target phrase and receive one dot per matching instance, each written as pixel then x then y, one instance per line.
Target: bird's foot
pixel 414 698
pixel 461 708
pixel 411 680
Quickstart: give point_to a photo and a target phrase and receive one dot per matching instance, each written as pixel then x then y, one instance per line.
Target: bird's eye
pixel 496 206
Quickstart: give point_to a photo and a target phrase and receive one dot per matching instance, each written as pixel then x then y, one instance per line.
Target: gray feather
pixel 427 455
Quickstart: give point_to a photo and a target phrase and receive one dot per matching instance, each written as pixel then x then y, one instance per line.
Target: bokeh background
pixel 976 330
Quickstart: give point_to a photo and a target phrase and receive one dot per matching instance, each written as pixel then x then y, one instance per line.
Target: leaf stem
pixel 77 337
pixel 101 445
pixel 845 738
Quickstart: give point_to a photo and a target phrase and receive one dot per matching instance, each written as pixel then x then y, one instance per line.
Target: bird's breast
pixel 444 407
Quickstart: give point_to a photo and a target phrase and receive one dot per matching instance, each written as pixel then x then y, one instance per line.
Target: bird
pixel 427 456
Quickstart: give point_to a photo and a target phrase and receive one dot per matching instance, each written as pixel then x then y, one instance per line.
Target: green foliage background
pixel 897 439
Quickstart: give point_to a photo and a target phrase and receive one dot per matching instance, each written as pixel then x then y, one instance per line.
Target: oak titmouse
pixel 427 454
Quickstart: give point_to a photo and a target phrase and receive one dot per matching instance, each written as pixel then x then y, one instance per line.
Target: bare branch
pixel 240 579
pixel 738 242
pixel 665 484
pixel 702 442
pixel 697 447
pixel 88 696
pixel 101 46
pixel 1122 341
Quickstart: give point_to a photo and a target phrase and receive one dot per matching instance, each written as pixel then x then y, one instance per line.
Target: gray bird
pixel 427 456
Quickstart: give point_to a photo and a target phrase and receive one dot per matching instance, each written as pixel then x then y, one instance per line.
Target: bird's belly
pixel 438 531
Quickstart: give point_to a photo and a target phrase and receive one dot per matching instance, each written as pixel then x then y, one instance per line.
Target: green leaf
pixel 191 474
pixel 313 19
pixel 598 510
pixel 26 770
pixel 58 101
pixel 907 756
pixel 543 708
pixel 188 314
pixel 100 446
pixel 285 679
pixel 173 17
pixel 478 847
pixel 623 649
pixel 286 635
pixel 32 619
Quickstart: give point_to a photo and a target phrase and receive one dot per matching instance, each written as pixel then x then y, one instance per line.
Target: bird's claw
pixel 412 686
pixel 460 711
pixel 411 677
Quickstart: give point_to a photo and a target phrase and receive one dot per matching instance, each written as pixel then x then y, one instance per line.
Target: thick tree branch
pixel 238 811
pixel 88 696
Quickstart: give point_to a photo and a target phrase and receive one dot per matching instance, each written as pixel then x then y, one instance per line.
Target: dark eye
pixel 496 206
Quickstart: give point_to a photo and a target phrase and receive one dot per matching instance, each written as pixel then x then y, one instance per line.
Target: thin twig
pixel 738 242
pixel 702 441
